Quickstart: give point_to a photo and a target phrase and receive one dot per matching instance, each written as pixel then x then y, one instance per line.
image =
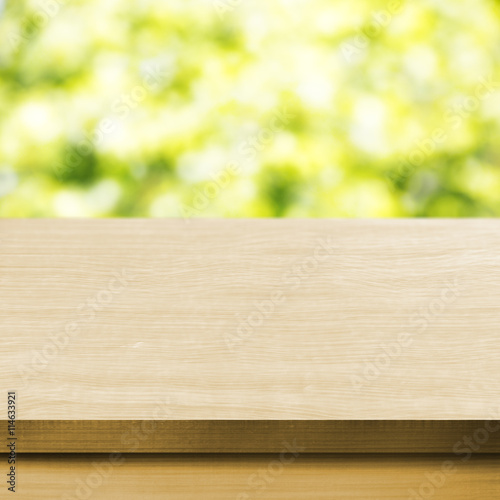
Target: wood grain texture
pixel 251 319
pixel 257 436
pixel 244 477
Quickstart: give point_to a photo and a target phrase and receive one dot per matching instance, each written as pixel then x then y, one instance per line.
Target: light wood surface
pixel 244 477
pixel 159 307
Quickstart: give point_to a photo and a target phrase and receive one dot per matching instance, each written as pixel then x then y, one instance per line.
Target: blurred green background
pixel 249 108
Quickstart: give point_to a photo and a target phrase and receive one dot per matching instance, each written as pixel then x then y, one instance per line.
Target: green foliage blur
pixel 249 108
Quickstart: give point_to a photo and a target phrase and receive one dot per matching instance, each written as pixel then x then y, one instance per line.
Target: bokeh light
pixel 235 108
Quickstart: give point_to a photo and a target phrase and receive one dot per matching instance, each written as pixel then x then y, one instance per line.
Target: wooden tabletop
pixel 250 320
